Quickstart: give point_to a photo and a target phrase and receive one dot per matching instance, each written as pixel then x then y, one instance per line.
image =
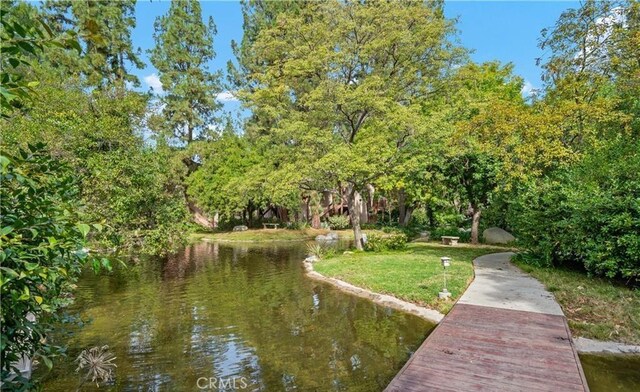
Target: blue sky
pixel 507 31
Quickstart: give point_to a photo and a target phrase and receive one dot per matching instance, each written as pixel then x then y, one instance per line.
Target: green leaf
pixel 30 266
pixel 83 228
pixel 10 272
pixel 6 230
pixel 25 295
pixel 106 263
pixel 47 361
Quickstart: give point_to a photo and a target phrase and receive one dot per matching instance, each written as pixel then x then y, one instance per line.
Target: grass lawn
pixel 595 307
pixel 262 235
pixel 266 235
pixel 414 275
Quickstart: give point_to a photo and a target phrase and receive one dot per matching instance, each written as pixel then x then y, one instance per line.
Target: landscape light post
pixel 446 262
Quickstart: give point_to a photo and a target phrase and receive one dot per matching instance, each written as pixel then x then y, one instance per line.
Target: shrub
pixel 338 222
pixel 320 250
pixel 43 251
pixel 316 249
pixel 299 225
pixel 587 215
pixel 374 243
pixel 397 241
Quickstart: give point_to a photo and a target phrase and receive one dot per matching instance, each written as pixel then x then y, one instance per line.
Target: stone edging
pixel 381 299
pixel 582 345
pixel 585 345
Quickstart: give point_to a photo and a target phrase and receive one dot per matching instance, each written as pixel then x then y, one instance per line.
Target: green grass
pixel 414 275
pixel 595 308
pixel 262 235
pixel 268 235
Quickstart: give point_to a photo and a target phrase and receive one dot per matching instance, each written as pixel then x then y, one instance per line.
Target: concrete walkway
pixel 500 284
pixel 506 333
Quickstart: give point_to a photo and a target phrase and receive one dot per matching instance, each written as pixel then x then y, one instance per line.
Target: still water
pixel 243 313
pixel 612 373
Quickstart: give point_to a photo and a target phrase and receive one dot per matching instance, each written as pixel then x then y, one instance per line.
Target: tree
pixel 126 184
pixel 22 41
pixel 586 50
pixel 43 245
pixel 184 47
pixel 471 166
pixel 341 89
pixel 583 210
pixel 105 30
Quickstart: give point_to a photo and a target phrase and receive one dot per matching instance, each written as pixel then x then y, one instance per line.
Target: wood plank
pixel 479 348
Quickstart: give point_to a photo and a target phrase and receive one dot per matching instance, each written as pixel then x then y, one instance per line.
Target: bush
pixel 338 222
pixel 397 241
pixel 587 215
pixel 43 251
pixel 320 250
pixel 299 225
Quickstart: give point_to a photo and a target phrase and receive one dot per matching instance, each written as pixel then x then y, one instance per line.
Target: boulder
pixel 496 235
pixel 240 228
pixel 332 235
pixel 311 259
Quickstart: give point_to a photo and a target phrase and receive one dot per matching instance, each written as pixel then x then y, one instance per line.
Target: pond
pixel 609 373
pixel 221 313
pixel 245 314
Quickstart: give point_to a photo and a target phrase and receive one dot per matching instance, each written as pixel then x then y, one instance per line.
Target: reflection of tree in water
pixel 216 311
pixel 191 259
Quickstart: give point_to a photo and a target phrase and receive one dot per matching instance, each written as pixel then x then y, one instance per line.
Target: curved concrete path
pixel 506 333
pixel 500 284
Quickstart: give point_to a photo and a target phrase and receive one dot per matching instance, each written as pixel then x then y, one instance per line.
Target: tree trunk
pixel 216 219
pixel 199 216
pixel 475 224
pixel 431 216
pixel 315 221
pixel 401 209
pixel 354 213
pixel 407 215
pixel 404 211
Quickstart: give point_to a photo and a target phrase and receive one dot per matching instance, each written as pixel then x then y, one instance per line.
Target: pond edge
pixel 389 301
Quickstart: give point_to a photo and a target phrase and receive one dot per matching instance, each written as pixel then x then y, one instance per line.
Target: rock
pixel 311 259
pixel 240 228
pixel 332 235
pixel 496 235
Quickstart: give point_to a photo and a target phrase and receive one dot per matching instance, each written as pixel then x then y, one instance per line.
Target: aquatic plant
pixel 98 363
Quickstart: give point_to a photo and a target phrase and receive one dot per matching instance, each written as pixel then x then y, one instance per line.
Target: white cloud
pixel 153 81
pixel 226 96
pixel 527 89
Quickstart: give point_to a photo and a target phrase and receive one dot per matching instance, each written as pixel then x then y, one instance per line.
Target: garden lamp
pixel 446 262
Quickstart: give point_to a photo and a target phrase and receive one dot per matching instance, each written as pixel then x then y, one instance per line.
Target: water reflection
pixel 220 311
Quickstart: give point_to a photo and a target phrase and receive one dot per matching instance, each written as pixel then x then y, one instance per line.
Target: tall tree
pixel 183 50
pixel 105 29
pixel 587 50
pixel 342 84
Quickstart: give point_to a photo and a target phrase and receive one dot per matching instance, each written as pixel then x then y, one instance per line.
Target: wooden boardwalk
pixel 481 348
